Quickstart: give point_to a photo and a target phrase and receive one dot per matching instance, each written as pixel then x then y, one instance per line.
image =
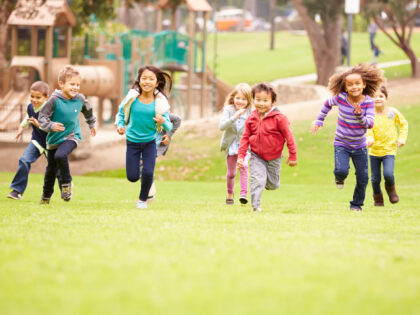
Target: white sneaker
pixel 141 204
pixel 257 209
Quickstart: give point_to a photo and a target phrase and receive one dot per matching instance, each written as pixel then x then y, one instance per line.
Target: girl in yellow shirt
pixel 389 132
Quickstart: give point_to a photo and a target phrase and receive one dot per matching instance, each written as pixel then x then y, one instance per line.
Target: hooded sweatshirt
pixel 59 109
pixel 267 136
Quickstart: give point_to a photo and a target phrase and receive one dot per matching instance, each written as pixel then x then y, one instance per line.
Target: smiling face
pixel 148 81
pixel 240 101
pixel 263 102
pixel 354 85
pixel 37 98
pixel 71 87
pixel 380 99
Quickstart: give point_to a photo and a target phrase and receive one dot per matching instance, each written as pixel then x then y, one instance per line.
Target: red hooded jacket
pixel 267 136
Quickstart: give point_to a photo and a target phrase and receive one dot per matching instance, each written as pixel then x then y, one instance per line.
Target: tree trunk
pixel 325 42
pixel 415 66
pixel 4 15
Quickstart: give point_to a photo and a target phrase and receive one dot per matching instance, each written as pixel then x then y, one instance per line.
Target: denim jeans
pixel 58 162
pixel 360 162
pixel 145 151
pixel 388 162
pixel 29 156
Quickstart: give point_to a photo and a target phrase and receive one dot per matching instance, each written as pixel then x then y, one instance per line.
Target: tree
pixel 395 18
pixel 324 36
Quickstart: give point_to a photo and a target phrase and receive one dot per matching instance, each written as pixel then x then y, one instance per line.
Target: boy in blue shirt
pixel 60 118
pixel 39 93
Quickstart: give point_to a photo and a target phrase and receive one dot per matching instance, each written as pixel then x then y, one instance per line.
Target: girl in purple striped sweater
pixel 353 91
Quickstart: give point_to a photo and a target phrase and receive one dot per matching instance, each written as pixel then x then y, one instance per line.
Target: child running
pixel 353 91
pixel 39 93
pixel 389 132
pixel 60 118
pixel 237 110
pixel 143 111
pixel 266 131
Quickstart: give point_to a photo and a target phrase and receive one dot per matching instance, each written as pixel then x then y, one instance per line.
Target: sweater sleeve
pixel 370 136
pixel 87 111
pixel 167 125
pixel 44 117
pixel 325 110
pixel 244 144
pixel 176 123
pixel 284 126
pixel 226 121
pixel 403 125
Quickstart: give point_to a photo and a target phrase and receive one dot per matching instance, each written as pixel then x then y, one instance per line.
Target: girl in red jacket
pixel 266 131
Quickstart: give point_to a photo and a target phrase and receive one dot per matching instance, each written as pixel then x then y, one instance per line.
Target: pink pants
pixel 231 174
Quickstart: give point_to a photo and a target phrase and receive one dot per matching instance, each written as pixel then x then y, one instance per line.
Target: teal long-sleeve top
pixel 141 127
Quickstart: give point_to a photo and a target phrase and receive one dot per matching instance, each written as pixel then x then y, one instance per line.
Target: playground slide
pixel 12 109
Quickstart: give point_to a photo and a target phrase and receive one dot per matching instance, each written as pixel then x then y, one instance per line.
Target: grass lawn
pixel 306 253
pixel 245 57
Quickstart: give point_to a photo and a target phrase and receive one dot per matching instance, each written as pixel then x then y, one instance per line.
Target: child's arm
pixel 284 126
pixel 44 117
pixel 403 125
pixel 243 146
pixel 319 122
pixel 226 121
pixel 88 113
pixel 370 137
pixel 368 118
pixel 176 123
pixel 164 121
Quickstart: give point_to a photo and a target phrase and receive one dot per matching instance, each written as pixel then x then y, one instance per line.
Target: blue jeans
pixel 360 162
pixel 388 162
pixel 29 156
pixel 145 151
pixel 58 163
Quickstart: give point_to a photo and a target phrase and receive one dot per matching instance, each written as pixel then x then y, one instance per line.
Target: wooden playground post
pixel 203 56
pixel 14 41
pixel 48 55
pixel 34 50
pixel 68 42
pixel 190 62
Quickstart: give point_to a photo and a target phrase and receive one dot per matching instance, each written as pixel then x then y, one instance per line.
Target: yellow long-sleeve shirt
pixel 389 128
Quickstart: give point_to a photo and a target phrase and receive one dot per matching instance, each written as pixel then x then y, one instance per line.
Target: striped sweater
pixel 351 128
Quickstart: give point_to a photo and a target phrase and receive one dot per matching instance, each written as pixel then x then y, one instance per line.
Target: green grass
pixel 245 57
pixel 306 253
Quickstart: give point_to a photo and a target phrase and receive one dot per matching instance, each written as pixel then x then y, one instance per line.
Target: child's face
pixel 354 85
pixel 380 99
pixel 263 102
pixel 148 81
pixel 240 101
pixel 71 87
pixel 37 98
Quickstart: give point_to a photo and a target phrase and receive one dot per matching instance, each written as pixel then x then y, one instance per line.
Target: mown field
pixel 188 253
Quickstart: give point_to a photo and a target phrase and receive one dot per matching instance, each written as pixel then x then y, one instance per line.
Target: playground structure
pixel 109 68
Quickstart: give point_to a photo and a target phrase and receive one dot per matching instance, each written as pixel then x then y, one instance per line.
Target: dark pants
pixel 388 162
pixel 58 161
pixel 141 151
pixel 360 162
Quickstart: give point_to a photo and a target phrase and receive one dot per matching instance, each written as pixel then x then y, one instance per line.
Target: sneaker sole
pixel 14 198
pixel 244 201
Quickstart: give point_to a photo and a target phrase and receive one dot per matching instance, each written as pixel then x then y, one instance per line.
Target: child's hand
pixel 58 127
pixel 92 132
pixel 121 130
pixel 291 163
pixel 400 143
pixel 369 143
pixel 33 121
pixel 159 119
pixel 240 163
pixel 357 109
pixel 315 128
pixel 240 112
pixel 165 140
pixel 18 136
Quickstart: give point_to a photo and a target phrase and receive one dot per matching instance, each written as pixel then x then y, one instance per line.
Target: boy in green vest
pixel 60 118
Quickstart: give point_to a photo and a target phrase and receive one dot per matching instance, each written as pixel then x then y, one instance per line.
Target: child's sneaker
pixel 257 209
pixel 45 200
pixel 141 204
pixel 66 193
pixel 355 208
pixel 339 183
pixel 14 194
pixel 243 200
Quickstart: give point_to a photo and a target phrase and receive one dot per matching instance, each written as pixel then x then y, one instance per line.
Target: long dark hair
pixel 164 80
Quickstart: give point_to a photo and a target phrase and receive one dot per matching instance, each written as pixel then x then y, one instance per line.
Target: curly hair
pixel 67 72
pixel 164 80
pixel 265 87
pixel 372 76
pixel 242 88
